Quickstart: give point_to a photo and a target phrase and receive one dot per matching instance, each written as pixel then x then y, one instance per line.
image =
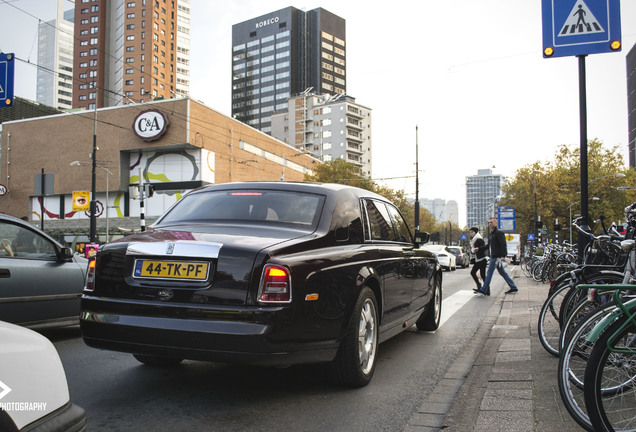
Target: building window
pixel 130 49
pixel 94 19
pixel 130 59
pixel 130 15
pixel 130 37
pixel 93 41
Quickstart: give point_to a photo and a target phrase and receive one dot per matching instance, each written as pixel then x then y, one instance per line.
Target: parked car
pixel 461 258
pixel 269 273
pixel 33 390
pixel 445 257
pixel 41 280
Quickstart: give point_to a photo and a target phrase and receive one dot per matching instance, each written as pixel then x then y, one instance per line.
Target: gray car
pixel 41 281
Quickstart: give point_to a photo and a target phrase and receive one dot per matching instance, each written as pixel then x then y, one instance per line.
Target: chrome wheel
pixel 367 336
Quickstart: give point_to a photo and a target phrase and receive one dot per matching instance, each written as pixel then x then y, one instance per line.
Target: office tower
pixel 130 51
pixel 282 54
pixel 55 60
pixel 482 191
pixel 328 127
pixel 441 210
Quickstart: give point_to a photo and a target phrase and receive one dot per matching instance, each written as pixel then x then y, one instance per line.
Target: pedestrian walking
pixel 479 264
pixel 497 250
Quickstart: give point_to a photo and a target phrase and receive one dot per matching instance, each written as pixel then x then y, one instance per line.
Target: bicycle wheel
pixel 572 363
pixel 610 377
pixel 537 269
pixel 574 301
pixel 549 325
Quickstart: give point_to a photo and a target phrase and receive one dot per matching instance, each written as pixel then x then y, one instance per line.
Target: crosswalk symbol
pixel 580 21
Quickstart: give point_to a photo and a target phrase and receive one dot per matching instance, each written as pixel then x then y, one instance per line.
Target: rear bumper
pixel 69 418
pixel 264 337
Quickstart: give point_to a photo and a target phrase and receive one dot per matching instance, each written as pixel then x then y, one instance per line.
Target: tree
pixel 555 185
pixel 342 172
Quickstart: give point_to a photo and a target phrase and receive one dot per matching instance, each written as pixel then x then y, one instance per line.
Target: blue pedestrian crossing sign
pixel 580 27
pixel 7 68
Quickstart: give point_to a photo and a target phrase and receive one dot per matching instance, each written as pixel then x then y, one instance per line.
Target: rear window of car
pixel 283 207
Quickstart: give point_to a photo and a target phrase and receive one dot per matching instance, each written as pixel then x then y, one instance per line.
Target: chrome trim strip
pixel 40 298
pixel 182 248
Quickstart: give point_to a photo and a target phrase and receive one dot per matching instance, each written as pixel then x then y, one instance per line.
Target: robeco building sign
pixel 150 125
pixel 267 22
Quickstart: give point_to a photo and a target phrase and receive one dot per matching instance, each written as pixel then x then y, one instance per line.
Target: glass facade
pixel 273 58
pixel 482 191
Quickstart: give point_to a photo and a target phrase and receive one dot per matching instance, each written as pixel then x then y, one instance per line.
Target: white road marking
pixel 454 303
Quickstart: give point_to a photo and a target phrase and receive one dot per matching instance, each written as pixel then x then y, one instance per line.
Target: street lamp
pixel 93 209
pixel 617 175
pixel 570 208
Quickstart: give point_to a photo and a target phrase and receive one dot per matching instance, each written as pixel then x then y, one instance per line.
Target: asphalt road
pixel 120 394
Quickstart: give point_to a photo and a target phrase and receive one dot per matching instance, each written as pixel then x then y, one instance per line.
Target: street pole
pixel 142 215
pixel 42 201
pixel 582 238
pixel 107 204
pixel 417 186
pixel 93 204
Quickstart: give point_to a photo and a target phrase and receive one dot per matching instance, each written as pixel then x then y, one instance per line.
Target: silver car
pixel 41 281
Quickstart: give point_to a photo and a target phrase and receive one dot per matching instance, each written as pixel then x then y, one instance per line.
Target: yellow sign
pixel 81 200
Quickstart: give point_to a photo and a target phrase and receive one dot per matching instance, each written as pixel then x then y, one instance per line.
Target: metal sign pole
pixel 583 239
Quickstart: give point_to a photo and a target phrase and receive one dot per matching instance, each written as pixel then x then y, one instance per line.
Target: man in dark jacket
pixel 497 251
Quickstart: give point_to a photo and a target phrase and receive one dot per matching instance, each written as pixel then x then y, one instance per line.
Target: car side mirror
pixel 421 238
pixel 66 254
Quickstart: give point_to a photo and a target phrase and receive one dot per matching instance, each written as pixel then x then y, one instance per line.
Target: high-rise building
pixel 631 104
pixel 55 60
pixel 441 210
pixel 281 54
pixel 482 191
pixel 328 127
pixel 130 51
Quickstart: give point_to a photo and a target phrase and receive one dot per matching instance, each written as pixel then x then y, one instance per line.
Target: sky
pixel 469 74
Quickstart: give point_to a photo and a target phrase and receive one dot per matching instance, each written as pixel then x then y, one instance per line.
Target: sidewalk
pixel 505 380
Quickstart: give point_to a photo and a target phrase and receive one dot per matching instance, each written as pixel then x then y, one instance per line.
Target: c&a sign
pixel 150 125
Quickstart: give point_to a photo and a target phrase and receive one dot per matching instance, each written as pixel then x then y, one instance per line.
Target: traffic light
pixel 149 190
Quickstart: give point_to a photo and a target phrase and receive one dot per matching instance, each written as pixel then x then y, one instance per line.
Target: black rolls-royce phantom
pixel 270 273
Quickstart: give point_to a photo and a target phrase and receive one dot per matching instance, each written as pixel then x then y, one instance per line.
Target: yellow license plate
pixel 192 270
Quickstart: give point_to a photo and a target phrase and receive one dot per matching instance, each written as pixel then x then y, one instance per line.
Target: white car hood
pixel 32 379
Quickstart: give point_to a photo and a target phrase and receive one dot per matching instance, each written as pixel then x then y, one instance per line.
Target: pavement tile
pixel 510 384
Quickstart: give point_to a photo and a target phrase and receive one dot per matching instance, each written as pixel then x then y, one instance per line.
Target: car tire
pixel 157 361
pixel 430 318
pixel 355 362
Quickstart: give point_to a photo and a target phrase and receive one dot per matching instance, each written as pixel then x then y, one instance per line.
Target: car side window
pixel 20 242
pixel 380 225
pixel 401 228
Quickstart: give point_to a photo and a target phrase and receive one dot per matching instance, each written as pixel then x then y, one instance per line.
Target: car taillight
pixel 90 275
pixel 275 285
